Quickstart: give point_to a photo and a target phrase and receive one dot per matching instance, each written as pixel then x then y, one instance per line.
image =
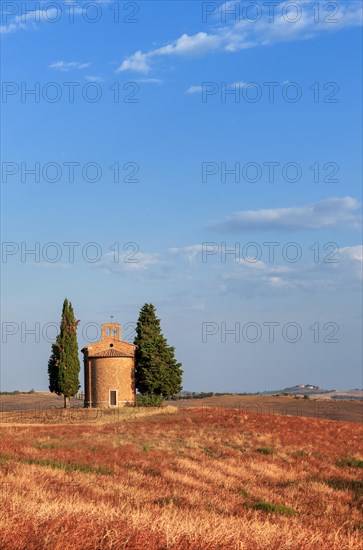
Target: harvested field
pixel 210 478
pixel 346 410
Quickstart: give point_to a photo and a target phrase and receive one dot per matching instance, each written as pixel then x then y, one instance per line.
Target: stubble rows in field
pixel 182 479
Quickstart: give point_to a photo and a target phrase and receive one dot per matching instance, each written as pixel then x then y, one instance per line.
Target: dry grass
pixel 331 409
pixel 78 415
pixel 37 405
pixel 187 479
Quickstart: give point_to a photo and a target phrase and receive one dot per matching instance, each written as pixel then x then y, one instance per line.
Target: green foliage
pixel 269 507
pixel 356 486
pixel 299 453
pixel 17 392
pixel 58 464
pixel 157 371
pixel 202 395
pixel 42 446
pixel 4 458
pixel 149 400
pixel 53 368
pixel 194 395
pixel 63 364
pixel 265 450
pixel 350 461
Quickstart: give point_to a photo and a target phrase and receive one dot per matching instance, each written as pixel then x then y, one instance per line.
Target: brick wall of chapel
pixel 112 373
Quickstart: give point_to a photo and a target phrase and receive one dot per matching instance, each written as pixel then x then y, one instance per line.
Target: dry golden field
pixel 38 406
pixel 331 409
pixel 179 479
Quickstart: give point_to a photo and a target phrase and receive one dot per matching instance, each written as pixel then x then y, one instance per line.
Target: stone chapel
pixel 109 370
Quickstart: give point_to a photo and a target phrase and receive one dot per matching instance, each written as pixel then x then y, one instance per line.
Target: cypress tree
pixel 53 366
pixel 157 371
pixel 63 364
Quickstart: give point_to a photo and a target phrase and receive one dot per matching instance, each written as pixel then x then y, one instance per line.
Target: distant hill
pixel 301 389
pixel 317 392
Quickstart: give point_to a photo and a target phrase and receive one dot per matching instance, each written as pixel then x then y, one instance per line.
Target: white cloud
pixel 185 45
pixel 194 90
pixel 354 253
pixel 138 261
pixel 262 266
pixel 149 80
pixel 49 14
pixel 33 18
pixel 351 260
pixel 242 34
pixel 240 83
pixel 329 273
pixel 196 44
pixel 138 62
pixel 143 267
pixel 243 276
pixel 29 18
pixel 254 265
pixel 330 212
pixel 93 78
pixel 189 252
pixel 66 66
pixel 278 282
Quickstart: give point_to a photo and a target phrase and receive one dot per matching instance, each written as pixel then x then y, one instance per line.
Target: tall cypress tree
pixel 63 364
pixel 157 371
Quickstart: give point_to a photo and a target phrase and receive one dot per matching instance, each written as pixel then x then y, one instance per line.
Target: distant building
pixel 109 370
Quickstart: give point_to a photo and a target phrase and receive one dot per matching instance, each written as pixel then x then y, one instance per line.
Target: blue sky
pixel 172 96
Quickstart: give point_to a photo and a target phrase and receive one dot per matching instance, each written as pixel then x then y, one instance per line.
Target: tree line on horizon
pixel 158 375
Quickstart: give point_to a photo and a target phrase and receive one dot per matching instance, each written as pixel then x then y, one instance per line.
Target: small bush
pixel 350 461
pixel 4 457
pixel 300 452
pixel 356 486
pixel 46 446
pixel 57 464
pixel 269 507
pixel 149 400
pixel 265 450
pixel 66 466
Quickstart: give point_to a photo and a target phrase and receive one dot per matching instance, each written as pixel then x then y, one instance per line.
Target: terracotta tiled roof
pixel 111 353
